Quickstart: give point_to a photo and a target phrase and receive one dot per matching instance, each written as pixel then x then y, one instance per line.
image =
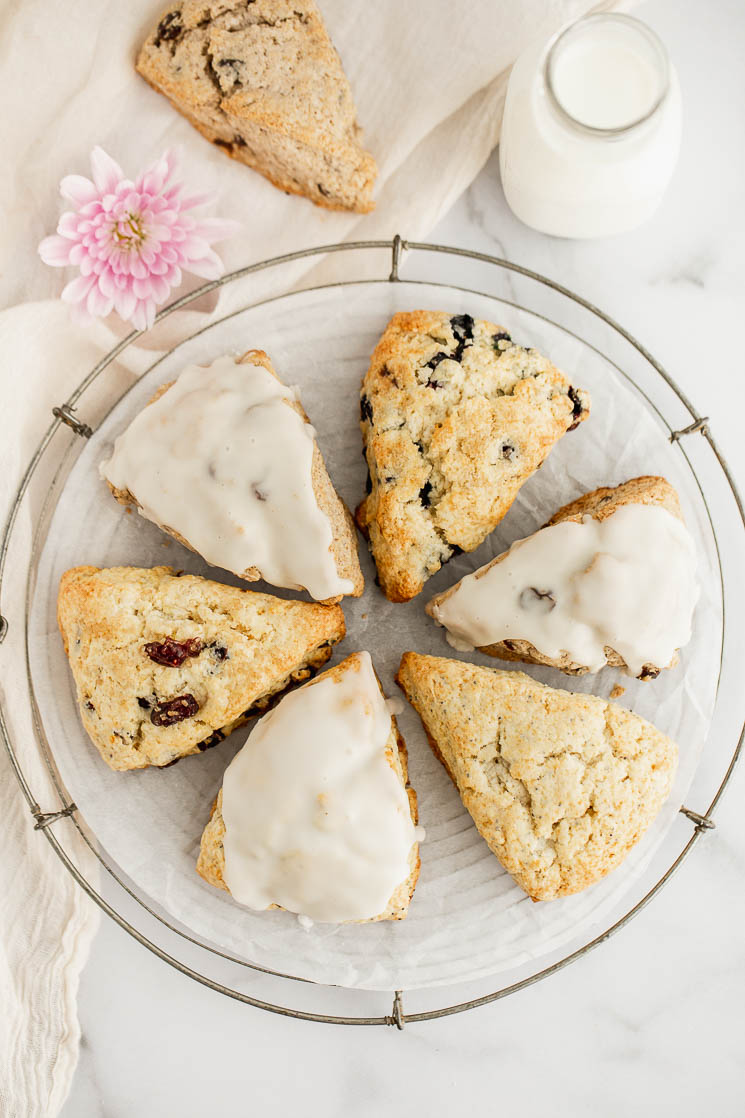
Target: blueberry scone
pixel 225 460
pixel 315 814
pixel 560 786
pixel 455 418
pixel 262 80
pixel 166 664
pixel 611 579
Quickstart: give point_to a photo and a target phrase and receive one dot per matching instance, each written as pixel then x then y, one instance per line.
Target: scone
pixel 611 579
pixel 167 664
pixel 560 786
pixel 315 814
pixel 262 81
pixel 455 418
pixel 225 460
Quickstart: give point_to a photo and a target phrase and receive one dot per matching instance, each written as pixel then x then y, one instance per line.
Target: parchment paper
pixel 468 919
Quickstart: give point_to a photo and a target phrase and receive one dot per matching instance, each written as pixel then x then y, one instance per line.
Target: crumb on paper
pixel 617 691
pixel 128 510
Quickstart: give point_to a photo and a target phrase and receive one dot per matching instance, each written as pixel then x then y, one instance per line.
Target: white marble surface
pixel 651 1022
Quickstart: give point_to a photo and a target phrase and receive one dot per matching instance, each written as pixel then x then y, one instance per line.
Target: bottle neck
pixel 606 77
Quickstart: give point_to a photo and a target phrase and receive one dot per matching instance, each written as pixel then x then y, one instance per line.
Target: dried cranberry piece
pixel 219 651
pixel 649 673
pixel 169 28
pixel 171 653
pixel 171 711
pixel 539 601
pixel 502 336
pixel 366 411
pixel 577 408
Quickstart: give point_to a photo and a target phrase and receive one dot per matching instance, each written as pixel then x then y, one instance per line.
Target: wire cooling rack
pixel 472 272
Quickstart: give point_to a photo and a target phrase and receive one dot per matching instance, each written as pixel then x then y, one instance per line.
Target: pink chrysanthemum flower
pixel 131 240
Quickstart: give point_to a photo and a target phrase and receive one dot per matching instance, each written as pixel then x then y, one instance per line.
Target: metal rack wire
pixel 65 814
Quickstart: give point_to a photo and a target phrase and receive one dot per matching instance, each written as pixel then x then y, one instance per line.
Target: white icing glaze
pixel 316 820
pixel 627 583
pixel 222 460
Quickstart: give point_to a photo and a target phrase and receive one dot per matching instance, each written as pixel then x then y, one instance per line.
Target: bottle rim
pixel 560 38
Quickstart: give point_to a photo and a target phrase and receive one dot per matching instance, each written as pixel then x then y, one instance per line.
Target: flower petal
pixel 55 251
pixel 78 190
pixel 210 266
pixel 216 228
pixel 77 289
pixel 97 303
pixel 106 173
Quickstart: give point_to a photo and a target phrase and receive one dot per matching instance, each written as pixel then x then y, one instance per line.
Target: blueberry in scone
pixel 167 664
pixel 261 79
pixel 455 417
pixel 560 786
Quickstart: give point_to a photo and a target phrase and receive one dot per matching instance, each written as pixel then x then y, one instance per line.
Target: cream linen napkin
pixel 429 78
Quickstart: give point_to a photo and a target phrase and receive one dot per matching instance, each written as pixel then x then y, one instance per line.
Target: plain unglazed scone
pixel 600 504
pixel 560 786
pixel 261 80
pixel 455 418
pixel 211 861
pixel 343 534
pixel 166 665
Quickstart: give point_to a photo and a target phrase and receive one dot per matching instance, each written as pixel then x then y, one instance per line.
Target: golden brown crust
pixel 560 786
pixel 455 418
pixel 211 861
pixel 343 534
pixel 261 80
pixel 600 504
pixel 248 648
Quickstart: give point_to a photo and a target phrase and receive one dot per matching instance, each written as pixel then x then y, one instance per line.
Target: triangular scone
pixel 211 862
pixel 600 504
pixel 455 417
pixel 166 664
pixel 194 463
pixel 262 80
pixel 560 786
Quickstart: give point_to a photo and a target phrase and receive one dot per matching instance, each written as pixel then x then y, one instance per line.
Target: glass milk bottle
pixel 591 128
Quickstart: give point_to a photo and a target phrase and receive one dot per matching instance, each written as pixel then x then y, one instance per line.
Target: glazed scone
pixel 575 590
pixel 166 665
pixel 262 80
pixel 560 786
pixel 339 806
pixel 455 418
pixel 225 460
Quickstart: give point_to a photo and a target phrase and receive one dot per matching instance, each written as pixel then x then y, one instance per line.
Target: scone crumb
pixel 617 691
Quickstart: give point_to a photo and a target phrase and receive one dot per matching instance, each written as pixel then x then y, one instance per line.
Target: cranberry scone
pixel 611 579
pixel 166 665
pixel 261 80
pixel 560 786
pixel 455 418
pixel 315 814
pixel 225 460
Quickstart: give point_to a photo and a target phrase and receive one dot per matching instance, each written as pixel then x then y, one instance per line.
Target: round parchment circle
pixel 468 919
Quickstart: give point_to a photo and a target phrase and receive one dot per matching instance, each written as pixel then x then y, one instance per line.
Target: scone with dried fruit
pixel 166 664
pixel 611 579
pixel 315 814
pixel 262 81
pixel 455 418
pixel 225 460
pixel 560 786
